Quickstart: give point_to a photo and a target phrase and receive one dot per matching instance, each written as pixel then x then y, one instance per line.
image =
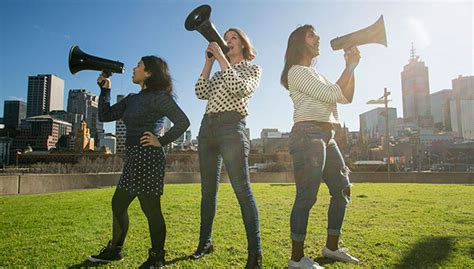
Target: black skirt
pixel 143 171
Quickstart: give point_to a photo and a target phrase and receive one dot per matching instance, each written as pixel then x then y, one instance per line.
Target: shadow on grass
pixel 282 184
pixel 324 261
pixel 427 252
pixel 87 263
pixel 175 260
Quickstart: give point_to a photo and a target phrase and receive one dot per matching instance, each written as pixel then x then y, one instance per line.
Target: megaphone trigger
pixel 106 73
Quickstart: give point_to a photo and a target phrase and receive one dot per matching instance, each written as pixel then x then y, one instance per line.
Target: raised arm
pixel 106 111
pixel 202 87
pixel 347 79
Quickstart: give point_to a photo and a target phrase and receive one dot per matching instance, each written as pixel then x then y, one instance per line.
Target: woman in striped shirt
pixel 222 137
pixel 314 151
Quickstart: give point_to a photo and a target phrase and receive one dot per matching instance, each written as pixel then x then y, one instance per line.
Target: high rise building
pixel 80 101
pixel 45 93
pixel 187 140
pixel 13 112
pixel 462 107
pixel 440 109
pixel 372 123
pixel 120 131
pixel 416 92
pixel 5 145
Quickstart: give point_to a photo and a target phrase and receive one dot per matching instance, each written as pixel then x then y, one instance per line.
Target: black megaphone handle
pixel 105 74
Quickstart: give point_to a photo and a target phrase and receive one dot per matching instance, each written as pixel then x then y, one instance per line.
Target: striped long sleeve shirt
pixel 314 97
pixel 231 89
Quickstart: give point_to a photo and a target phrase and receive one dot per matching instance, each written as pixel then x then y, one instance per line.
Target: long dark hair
pixel 160 79
pixel 295 51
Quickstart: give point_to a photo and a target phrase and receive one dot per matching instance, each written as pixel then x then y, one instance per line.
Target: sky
pixel 36 36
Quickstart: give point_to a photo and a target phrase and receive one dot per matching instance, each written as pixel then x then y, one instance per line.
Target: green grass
pixel 387 225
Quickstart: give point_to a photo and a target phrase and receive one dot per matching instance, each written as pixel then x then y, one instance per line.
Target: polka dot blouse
pixel 231 89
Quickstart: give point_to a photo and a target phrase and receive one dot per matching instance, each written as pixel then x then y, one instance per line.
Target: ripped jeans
pixel 316 156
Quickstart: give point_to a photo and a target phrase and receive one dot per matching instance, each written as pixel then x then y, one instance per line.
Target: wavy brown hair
pixel 160 79
pixel 295 51
pixel 249 50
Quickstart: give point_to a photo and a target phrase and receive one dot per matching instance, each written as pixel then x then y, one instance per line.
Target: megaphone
pixel 79 60
pixel 198 20
pixel 372 34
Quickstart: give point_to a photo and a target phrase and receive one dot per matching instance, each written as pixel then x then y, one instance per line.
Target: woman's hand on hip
pixel 149 139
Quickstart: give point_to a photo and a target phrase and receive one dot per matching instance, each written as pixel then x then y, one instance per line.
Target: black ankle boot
pixel 108 253
pixel 156 260
pixel 254 261
pixel 202 250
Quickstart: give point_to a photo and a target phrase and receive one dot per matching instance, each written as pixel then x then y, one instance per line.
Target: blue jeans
pixel 222 137
pixel 316 157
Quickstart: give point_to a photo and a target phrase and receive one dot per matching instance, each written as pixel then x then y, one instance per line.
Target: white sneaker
pixel 304 263
pixel 339 254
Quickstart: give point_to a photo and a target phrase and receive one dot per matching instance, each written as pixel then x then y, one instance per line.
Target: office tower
pixel 45 93
pixel 80 101
pixel 462 107
pixel 13 112
pixel 440 109
pixel 416 92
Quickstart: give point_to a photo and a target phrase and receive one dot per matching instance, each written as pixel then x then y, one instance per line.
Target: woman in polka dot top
pixel 144 170
pixel 222 136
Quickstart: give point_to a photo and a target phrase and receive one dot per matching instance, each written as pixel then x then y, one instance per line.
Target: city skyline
pixel 444 45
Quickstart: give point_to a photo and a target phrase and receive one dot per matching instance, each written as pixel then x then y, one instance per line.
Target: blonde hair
pixel 249 51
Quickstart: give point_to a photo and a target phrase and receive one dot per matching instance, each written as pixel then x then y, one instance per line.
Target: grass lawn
pixel 387 225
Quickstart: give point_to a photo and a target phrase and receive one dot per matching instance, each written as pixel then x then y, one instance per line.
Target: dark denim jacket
pixel 144 111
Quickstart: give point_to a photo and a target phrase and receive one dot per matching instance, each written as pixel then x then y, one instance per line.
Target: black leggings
pixel 151 206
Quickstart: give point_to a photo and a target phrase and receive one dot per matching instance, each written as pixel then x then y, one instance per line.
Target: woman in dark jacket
pixel 144 169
